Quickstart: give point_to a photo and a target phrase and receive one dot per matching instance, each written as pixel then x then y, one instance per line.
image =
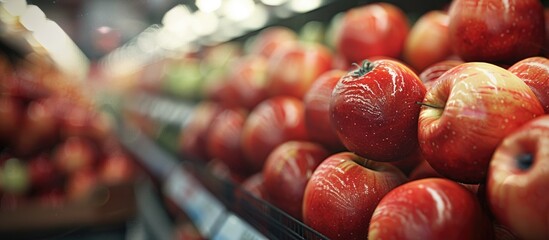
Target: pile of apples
pixel 430 130
pixel 55 146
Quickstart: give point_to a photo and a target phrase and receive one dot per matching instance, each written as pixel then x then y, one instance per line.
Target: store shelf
pixel 219 208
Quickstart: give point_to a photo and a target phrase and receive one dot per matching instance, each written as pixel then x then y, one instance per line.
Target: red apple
pixel 39 128
pixel 194 134
pixel 11 115
pixel 466 115
pixel 517 189
pixel 534 71
pixel 81 184
pixel 292 70
pixel 317 106
pixel 496 31
pixel 247 82
pixel 273 122
pixel 42 171
pixel 430 208
pixel 223 141
pixel 375 29
pixel 428 41
pixel 74 154
pixel 374 111
pixel 287 171
pixel 343 192
pixel 271 38
pixel 431 74
pixel 117 168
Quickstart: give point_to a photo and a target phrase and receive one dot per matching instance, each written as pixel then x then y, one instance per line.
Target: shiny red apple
pixel 287 171
pixel 374 112
pixel 534 71
pixel 428 41
pixel 194 134
pixel 292 70
pixel 247 82
pixel 375 29
pixel 466 115
pixel 496 31
pixel 517 189
pixel 273 122
pixel 317 106
pixel 343 192
pixel 430 208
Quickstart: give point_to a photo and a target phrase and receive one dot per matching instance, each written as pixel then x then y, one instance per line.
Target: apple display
pixel 317 106
pixel 496 31
pixel 374 112
pixel 466 115
pixel 292 70
pixel 428 41
pixel 534 71
pixel 375 29
pixel 287 171
pixel 517 189
pixel 430 208
pixel 273 122
pixel 343 192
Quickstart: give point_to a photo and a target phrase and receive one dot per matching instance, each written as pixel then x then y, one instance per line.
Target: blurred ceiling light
pixel 15 7
pixel 177 18
pixel 273 2
pixel 238 10
pixel 32 18
pixel 302 6
pixel 208 5
pixel 258 18
pixel 204 23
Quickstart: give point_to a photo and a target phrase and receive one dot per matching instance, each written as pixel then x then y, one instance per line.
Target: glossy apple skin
pixel 496 31
pixel 430 74
pixel 224 140
pixel 428 41
pixel 478 104
pixel 317 110
pixel 343 192
pixel 519 197
pixel 273 122
pixel 194 134
pixel 292 70
pixel 430 208
pixel 534 71
pixel 287 171
pixel 375 29
pixel 375 114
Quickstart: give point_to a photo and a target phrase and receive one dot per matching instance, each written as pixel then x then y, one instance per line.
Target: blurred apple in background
pixel 287 171
pixel 292 70
pixel 534 71
pixel 466 115
pixel 43 173
pixel 317 106
pixel 116 167
pixel 375 29
pixel 39 128
pixel 517 189
pixel 428 41
pixel 75 154
pixel 14 176
pixel 11 115
pixel 194 133
pixel 496 31
pixel 343 192
pixel 268 40
pixel 223 142
pixel 430 208
pixel 247 82
pixel 81 184
pixel 273 122
pixel 432 73
pixel 374 112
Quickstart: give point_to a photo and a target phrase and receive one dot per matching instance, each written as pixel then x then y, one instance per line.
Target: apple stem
pixel 366 67
pixel 429 105
pixel 525 161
